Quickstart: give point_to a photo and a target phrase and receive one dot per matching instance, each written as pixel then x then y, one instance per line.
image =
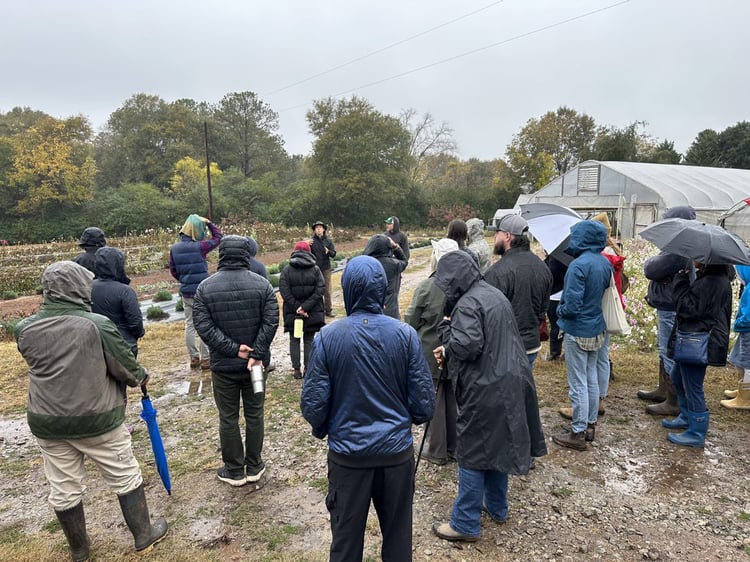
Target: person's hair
pixel 457 231
pixel 520 241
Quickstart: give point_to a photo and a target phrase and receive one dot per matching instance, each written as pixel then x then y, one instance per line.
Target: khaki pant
pixel 112 453
pixel 191 336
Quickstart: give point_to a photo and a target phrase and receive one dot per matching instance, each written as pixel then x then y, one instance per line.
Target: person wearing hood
pixel 187 264
pixel 739 357
pixel 236 313
pixel 393 260
pixel 112 296
pixel 77 361
pixel 498 428
pixel 660 271
pixel 424 314
pixel 256 266
pixel 366 384
pixel 478 244
pixel 586 342
pixel 323 249
pixel 394 232
pixel 301 285
pixel 91 240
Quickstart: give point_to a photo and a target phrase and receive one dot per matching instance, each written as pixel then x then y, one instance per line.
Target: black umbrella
pixel 705 243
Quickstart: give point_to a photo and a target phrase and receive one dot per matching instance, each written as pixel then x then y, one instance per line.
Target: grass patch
pixel 11 533
pixel 744 516
pixel 156 313
pixel 320 485
pixel 162 295
pixel 9 295
pixel 562 492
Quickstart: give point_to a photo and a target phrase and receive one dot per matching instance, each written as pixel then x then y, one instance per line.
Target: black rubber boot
pixel 669 407
pixel 135 510
pixel 73 523
pixel 659 394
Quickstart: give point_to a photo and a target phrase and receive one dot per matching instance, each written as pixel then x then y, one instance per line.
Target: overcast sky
pixel 680 65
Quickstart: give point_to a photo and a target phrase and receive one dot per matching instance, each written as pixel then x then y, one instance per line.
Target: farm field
pixel 632 496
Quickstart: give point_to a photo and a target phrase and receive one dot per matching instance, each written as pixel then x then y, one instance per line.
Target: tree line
pixel 146 168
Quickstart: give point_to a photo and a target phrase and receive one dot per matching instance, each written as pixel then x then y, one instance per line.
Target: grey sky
pixel 680 65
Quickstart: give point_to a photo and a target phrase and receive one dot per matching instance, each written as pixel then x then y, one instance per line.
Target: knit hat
pixel 302 245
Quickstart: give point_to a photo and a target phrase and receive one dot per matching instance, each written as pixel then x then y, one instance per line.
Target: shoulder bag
pixel 691 347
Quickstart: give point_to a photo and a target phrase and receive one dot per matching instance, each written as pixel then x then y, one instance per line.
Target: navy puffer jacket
pixel 367 380
pixel 235 306
pixel 301 284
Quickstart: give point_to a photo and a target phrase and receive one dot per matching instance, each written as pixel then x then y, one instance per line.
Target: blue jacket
pixel 588 275
pixel 367 380
pixel 742 321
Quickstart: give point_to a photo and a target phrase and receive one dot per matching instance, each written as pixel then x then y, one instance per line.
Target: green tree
pixel 733 145
pixel 563 138
pixel 18 120
pixel 704 150
pixel 52 166
pixel 361 161
pixel 246 136
pixel 664 153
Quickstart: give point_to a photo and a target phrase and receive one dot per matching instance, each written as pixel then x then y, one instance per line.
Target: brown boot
pixel 590 432
pixel 195 362
pixel 669 407
pixel 205 364
pixel 567 413
pixel 571 440
pixel 659 394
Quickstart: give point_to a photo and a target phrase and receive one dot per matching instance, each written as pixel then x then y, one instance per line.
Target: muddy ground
pixel 632 496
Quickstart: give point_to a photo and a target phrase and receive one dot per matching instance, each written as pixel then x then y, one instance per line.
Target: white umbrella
pixel 550 224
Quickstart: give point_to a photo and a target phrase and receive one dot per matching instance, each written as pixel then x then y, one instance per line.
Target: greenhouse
pixel 635 194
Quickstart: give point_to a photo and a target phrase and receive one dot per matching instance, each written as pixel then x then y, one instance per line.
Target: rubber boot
pixel 135 511
pixel 695 435
pixel 659 394
pixel 73 523
pixel 669 407
pixel 681 421
pixel 742 400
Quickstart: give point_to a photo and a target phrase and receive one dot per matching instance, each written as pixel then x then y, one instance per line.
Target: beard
pixel 500 248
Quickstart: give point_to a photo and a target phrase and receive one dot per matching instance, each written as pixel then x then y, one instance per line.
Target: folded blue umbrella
pixel 160 457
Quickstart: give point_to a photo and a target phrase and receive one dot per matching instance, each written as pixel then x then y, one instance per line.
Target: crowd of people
pixel 461 362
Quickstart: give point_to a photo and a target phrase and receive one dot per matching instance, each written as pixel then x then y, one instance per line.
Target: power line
pixel 402 41
pixel 467 53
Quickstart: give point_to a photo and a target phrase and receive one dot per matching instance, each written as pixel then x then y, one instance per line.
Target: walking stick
pixel 426 429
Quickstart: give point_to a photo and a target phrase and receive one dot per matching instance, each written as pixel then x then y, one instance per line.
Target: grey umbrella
pixel 705 243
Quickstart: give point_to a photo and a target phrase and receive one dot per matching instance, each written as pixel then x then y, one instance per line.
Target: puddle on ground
pixel 192 387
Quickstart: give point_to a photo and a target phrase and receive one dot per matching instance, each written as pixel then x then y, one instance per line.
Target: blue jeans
pixel 583 381
pixel 688 384
pixel 665 322
pixel 532 357
pixel 475 487
pixel 602 368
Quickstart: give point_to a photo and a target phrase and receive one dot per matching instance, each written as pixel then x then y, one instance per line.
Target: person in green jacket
pixel 77 360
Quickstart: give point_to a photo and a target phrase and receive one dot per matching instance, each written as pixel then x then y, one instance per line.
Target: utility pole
pixel 208 174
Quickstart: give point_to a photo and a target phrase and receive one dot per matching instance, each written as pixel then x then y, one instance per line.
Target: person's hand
pixel 438 353
pixel 244 352
pixel 204 219
pixel 144 382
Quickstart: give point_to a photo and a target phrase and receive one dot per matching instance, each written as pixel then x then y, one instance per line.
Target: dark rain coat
pixel 705 305
pixel 301 284
pixel 318 247
pixel 91 240
pixel 235 306
pixel 112 296
pixel 393 262
pixel 367 381
pixel 399 237
pixel 498 426
pixel 580 311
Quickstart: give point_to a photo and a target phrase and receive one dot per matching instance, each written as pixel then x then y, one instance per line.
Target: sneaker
pixel 231 479
pixel 256 477
pixel 445 531
pixel 205 364
pixel 297 374
pixel 195 362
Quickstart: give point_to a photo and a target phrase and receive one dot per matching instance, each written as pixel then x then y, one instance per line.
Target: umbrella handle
pixel 144 391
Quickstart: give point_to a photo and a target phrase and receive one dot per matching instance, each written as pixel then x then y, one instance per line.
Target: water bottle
pixel 298 327
pixel 256 377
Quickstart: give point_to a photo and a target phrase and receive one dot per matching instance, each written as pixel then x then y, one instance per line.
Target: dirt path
pixel 632 496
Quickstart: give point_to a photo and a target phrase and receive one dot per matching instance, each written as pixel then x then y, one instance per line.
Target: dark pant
pixel 228 389
pixel 327 293
pixel 294 345
pixel 350 490
pixel 688 385
pixel 555 341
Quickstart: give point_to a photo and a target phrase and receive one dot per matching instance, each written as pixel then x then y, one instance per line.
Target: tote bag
pixel 614 315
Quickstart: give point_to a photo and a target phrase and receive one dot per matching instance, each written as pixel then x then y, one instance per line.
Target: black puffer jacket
pixel 235 306
pixel 705 305
pixel 394 262
pixel 301 284
pixel 112 296
pixel 399 237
